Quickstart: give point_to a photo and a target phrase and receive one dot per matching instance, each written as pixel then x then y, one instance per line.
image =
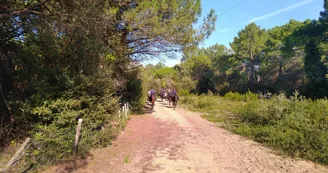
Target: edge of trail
pixel 168 140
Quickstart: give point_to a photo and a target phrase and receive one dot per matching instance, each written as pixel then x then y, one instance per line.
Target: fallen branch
pixel 18 155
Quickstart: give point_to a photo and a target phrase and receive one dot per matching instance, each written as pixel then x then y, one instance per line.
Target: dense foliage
pixel 61 60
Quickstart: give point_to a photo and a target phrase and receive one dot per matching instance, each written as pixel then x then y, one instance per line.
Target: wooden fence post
pixel 127 106
pixel 126 111
pixel 123 111
pixel 18 155
pixel 77 135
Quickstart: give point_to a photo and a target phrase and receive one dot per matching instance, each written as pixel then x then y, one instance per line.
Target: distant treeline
pixel 285 58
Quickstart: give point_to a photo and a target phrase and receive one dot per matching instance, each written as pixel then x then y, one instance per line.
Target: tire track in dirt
pixel 170 140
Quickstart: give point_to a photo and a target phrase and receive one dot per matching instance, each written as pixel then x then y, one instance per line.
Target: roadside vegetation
pixel 295 125
pixel 61 60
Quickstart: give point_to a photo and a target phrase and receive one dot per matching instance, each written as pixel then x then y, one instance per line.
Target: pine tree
pixel 249 44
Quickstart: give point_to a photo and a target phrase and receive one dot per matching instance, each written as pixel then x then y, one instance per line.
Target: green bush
pixel 54 135
pixel 184 92
pixel 298 126
pixel 241 97
pixel 295 125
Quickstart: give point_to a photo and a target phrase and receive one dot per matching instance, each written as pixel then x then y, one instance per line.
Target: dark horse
pixel 152 100
pixel 169 98
pixel 174 99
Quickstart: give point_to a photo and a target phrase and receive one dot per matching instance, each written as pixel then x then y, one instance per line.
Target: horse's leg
pixel 170 101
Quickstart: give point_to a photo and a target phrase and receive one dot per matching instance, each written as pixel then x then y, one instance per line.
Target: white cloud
pixel 224 30
pixel 281 11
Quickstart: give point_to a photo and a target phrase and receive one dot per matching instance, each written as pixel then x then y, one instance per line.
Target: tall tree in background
pixel 277 43
pixel 315 71
pixel 314 36
pixel 324 45
pixel 249 44
pixel 282 61
pixel 200 68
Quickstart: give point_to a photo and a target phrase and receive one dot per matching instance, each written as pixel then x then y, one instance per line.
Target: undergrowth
pixel 296 125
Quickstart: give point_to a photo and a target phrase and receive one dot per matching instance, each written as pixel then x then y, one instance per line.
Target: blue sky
pixel 266 13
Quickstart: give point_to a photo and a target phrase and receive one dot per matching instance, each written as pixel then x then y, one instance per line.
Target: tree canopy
pixel 61 60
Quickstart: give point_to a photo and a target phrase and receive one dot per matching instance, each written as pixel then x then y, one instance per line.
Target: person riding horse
pixel 174 98
pixel 169 96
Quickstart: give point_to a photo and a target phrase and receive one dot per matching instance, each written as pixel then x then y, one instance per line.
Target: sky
pixel 234 15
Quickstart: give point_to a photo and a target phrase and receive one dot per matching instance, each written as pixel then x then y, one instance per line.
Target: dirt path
pixel 180 141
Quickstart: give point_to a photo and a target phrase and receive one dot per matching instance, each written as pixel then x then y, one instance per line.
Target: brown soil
pixel 180 141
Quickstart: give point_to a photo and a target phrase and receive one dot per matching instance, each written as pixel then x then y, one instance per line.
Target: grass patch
pixel 126 159
pixel 296 125
pixel 214 117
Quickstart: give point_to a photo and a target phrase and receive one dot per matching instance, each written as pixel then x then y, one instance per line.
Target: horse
pixel 152 101
pixel 169 98
pixel 174 99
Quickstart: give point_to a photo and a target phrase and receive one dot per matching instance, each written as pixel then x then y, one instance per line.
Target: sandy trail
pixel 180 141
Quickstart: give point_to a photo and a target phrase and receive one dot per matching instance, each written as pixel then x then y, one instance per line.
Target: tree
pixel 278 42
pixel 313 36
pixel 200 68
pixel 215 51
pixel 249 44
pixel 168 28
pixel 315 71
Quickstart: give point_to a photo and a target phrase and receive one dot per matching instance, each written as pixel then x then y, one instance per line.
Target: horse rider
pixel 150 93
pixel 169 92
pixel 174 92
pixel 163 94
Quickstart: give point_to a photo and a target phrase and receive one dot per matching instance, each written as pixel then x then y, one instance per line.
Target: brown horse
pixel 152 101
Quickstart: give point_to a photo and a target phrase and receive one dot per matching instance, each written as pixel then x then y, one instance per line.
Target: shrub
pixel 298 126
pixel 53 136
pixel 184 92
pixel 209 93
pixel 241 97
pixel 295 125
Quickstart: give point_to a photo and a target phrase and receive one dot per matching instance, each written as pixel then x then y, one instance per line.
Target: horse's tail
pixel 153 98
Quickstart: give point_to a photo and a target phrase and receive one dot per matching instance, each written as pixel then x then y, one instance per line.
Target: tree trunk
pixel 280 69
pixel 252 75
pixel 3 103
